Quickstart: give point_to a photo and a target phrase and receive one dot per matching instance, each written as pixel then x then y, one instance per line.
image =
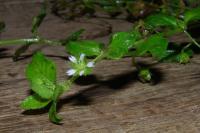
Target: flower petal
pixel 73 59
pixel 82 56
pixel 81 73
pixel 90 64
pixel 71 72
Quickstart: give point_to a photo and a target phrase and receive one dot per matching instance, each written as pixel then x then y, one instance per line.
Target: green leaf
pixel 192 15
pixel 38 19
pixel 41 73
pixel 2 26
pixel 53 114
pixel 89 48
pixel 160 20
pixel 182 57
pixel 155 44
pixel 121 42
pixel 34 102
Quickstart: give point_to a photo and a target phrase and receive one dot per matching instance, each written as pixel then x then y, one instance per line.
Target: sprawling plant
pixel 147 37
pixel 133 9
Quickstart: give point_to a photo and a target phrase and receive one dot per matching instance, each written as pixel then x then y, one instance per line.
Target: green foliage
pixel 133 8
pixel 34 102
pixel 160 20
pixel 155 44
pixel 192 15
pixel 41 73
pixel 53 115
pixel 120 44
pixel 147 37
pixel 181 57
pixel 88 47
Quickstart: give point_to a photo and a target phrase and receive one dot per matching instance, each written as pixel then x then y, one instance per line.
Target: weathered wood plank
pixel 116 102
pixel 110 101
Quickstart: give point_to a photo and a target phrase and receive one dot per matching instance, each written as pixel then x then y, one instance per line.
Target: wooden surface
pixel 110 101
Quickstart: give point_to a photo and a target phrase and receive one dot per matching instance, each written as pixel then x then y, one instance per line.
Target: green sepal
pixel 145 75
pixel 184 56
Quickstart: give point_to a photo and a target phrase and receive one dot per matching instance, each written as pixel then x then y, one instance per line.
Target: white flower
pixel 71 72
pixel 73 59
pixel 82 56
pixel 90 64
pixel 81 73
pixel 79 66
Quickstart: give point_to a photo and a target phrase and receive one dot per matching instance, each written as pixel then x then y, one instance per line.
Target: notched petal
pixel 71 72
pixel 90 64
pixel 81 73
pixel 73 59
pixel 82 56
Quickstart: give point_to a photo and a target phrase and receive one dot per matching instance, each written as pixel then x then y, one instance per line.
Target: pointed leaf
pixel 41 73
pixel 158 20
pixel 120 44
pixel 89 48
pixel 34 102
pixel 155 44
pixel 192 15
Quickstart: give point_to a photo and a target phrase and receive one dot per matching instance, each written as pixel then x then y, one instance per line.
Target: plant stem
pixel 99 57
pixel 68 83
pixel 192 39
pixel 187 46
pixel 28 41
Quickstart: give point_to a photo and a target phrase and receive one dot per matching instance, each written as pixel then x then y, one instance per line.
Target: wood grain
pixel 111 100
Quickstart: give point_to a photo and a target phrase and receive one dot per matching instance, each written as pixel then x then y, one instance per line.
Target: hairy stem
pixel 28 41
pixel 99 57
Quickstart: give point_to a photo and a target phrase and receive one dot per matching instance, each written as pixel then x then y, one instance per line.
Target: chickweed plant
pixel 147 37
